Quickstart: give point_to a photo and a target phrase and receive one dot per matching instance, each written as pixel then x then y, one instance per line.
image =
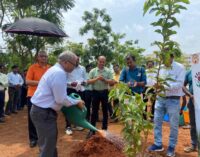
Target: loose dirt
pixel 96 146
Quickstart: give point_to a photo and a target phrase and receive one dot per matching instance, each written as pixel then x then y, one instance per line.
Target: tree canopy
pixel 27 46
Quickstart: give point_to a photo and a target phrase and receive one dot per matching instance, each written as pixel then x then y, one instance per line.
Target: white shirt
pixel 151 78
pixel 176 72
pixel 51 91
pixel 15 79
pixel 77 75
pixel 3 81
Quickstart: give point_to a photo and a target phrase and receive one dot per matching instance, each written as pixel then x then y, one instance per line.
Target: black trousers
pixel 82 95
pixel 2 102
pixel 19 99
pixel 88 102
pixel 100 96
pixel 23 97
pixel 193 131
pixel 31 127
pixel 13 99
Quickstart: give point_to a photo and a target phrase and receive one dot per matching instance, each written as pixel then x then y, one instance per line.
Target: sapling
pixel 131 107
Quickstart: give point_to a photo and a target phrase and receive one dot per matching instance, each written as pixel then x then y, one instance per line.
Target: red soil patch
pixel 96 146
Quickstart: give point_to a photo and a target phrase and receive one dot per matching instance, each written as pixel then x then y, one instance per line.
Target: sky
pixel 127 17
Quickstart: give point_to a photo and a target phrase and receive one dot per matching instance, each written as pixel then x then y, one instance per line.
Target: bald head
pixel 102 57
pixel 101 62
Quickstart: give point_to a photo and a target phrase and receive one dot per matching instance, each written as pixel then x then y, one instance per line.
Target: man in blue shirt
pixel 193 132
pixel 134 76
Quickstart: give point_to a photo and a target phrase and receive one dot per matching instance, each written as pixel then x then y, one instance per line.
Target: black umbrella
pixel 35 26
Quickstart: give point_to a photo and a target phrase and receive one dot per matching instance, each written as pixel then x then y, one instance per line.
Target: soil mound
pixel 96 146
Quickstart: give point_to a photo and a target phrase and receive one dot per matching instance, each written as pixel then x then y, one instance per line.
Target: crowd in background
pixel 14 83
pixel 93 83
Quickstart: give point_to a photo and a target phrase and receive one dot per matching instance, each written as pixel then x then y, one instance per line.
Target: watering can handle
pixel 76 96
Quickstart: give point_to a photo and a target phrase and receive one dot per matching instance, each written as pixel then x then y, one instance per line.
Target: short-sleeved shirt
pixel 100 85
pixel 35 73
pixel 131 75
pixel 188 80
pixel 88 87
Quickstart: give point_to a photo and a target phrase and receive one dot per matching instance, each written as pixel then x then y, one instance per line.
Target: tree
pixel 98 22
pixel 167 21
pixel 167 11
pixel 2 12
pixel 122 49
pixel 132 108
pixel 104 41
pixel 27 46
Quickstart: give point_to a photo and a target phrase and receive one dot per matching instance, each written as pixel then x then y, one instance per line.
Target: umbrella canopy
pixel 35 26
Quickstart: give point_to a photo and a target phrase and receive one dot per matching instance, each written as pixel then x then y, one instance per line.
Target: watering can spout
pixel 77 116
pixel 87 125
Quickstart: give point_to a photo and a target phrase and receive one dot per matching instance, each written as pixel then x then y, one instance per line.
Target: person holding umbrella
pixel 33 77
pixel 49 98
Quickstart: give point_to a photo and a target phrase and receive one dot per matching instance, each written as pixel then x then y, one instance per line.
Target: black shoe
pixel 18 109
pixel 33 144
pixel 15 112
pixel 90 134
pixel 7 113
pixel 112 116
pixel 2 120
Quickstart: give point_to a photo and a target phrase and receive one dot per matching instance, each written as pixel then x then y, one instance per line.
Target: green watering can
pixel 77 116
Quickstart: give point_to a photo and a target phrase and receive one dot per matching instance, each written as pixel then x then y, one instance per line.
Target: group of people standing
pixel 14 81
pixel 49 87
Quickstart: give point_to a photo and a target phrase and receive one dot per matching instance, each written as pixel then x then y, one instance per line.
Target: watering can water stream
pixel 77 116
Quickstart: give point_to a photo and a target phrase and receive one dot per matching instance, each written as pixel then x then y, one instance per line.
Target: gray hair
pixel 66 56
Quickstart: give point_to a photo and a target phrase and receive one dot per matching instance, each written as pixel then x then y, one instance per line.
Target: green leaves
pixel 104 41
pixel 130 112
pixel 183 1
pixel 166 11
pixel 25 46
pixel 147 5
pixel 98 23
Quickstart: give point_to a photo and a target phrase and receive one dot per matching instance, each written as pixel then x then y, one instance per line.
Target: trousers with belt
pixel 45 121
pixel 100 96
pixel 171 106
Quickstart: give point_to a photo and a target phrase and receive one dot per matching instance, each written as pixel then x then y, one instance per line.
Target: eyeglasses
pixel 72 63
